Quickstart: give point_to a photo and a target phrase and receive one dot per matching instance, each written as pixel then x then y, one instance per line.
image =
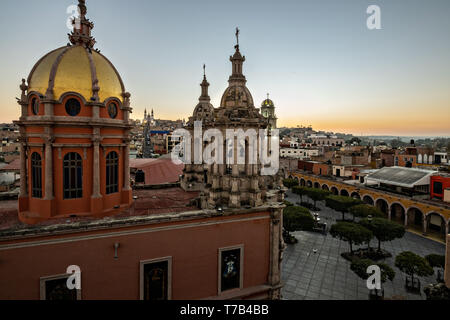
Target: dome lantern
pixel 81 34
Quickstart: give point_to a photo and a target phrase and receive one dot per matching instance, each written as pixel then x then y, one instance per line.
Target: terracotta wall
pixel 194 252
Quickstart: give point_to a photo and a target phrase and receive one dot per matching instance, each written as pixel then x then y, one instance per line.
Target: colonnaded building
pixel 221 239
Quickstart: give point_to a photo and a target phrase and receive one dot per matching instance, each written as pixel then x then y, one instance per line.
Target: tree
pixel 289 183
pixel 412 264
pixel 341 204
pixel 359 267
pixel 436 261
pixel 301 191
pixel 353 233
pixel 288 203
pixel 383 229
pixel 365 210
pixel 297 218
pixel 317 194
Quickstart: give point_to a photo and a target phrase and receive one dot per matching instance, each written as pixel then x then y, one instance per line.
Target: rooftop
pixel 402 177
pixel 158 171
pixel 149 202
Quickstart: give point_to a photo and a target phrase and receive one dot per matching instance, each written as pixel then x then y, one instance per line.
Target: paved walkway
pixel 326 275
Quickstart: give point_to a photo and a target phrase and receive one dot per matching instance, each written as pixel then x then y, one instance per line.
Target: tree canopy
pixel 341 203
pixel 316 194
pixel 436 260
pixel 359 267
pixel 412 264
pixel 383 229
pixel 301 191
pixel 365 210
pixel 353 233
pixel 297 218
pixel 289 183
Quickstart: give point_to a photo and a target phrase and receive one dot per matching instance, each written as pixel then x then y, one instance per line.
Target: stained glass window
pixel 73 176
pixel 36 175
pixel 112 173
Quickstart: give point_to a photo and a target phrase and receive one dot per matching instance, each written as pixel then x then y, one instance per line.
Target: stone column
pixel 126 166
pixel 23 169
pixel 48 168
pixel 424 225
pixel 276 243
pixel 406 219
pixel 96 167
pixel 447 229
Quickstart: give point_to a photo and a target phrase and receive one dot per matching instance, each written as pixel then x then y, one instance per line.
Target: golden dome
pixel 76 69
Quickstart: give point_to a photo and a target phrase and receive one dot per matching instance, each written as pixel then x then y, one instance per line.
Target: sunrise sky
pixel 318 60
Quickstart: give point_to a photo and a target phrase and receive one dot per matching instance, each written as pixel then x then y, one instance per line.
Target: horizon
pixel 318 61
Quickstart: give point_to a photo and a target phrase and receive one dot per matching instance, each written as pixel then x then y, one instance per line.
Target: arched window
pixel 35 106
pixel 73 176
pixel 36 175
pixel 112 173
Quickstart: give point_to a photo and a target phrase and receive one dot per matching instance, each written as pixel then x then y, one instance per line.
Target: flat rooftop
pixel 402 177
pixel 148 202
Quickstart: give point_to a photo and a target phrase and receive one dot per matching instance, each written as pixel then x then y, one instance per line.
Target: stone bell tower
pixel 230 183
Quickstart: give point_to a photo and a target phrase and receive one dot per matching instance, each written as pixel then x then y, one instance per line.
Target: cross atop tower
pixel 267 96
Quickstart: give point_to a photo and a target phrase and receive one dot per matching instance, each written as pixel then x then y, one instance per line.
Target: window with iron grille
pixel 73 176
pixel 112 172
pixel 36 175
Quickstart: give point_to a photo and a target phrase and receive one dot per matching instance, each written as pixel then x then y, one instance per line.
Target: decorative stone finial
pixel 81 34
pixel 204 85
pixel 23 88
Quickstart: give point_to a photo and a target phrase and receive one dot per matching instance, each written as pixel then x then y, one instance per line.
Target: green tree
pixel 359 267
pixel 288 203
pixel 289 183
pixel 365 210
pixel 436 261
pixel 412 264
pixel 297 218
pixel 301 191
pixel 341 204
pixel 383 229
pixel 353 233
pixel 317 194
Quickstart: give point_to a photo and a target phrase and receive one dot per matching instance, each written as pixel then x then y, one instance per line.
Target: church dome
pixel 203 111
pixel 267 103
pixel 237 96
pixel 76 69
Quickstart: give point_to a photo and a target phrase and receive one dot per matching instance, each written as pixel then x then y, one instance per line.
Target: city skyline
pixel 319 62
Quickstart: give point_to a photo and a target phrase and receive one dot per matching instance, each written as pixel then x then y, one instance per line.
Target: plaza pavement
pixel 325 275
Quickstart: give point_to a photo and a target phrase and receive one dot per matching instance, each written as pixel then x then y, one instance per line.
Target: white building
pixel 298 153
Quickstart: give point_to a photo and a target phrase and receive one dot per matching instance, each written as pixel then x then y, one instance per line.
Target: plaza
pixel 313 268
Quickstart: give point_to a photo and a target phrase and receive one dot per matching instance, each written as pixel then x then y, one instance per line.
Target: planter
pixel 412 286
pixel 376 294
